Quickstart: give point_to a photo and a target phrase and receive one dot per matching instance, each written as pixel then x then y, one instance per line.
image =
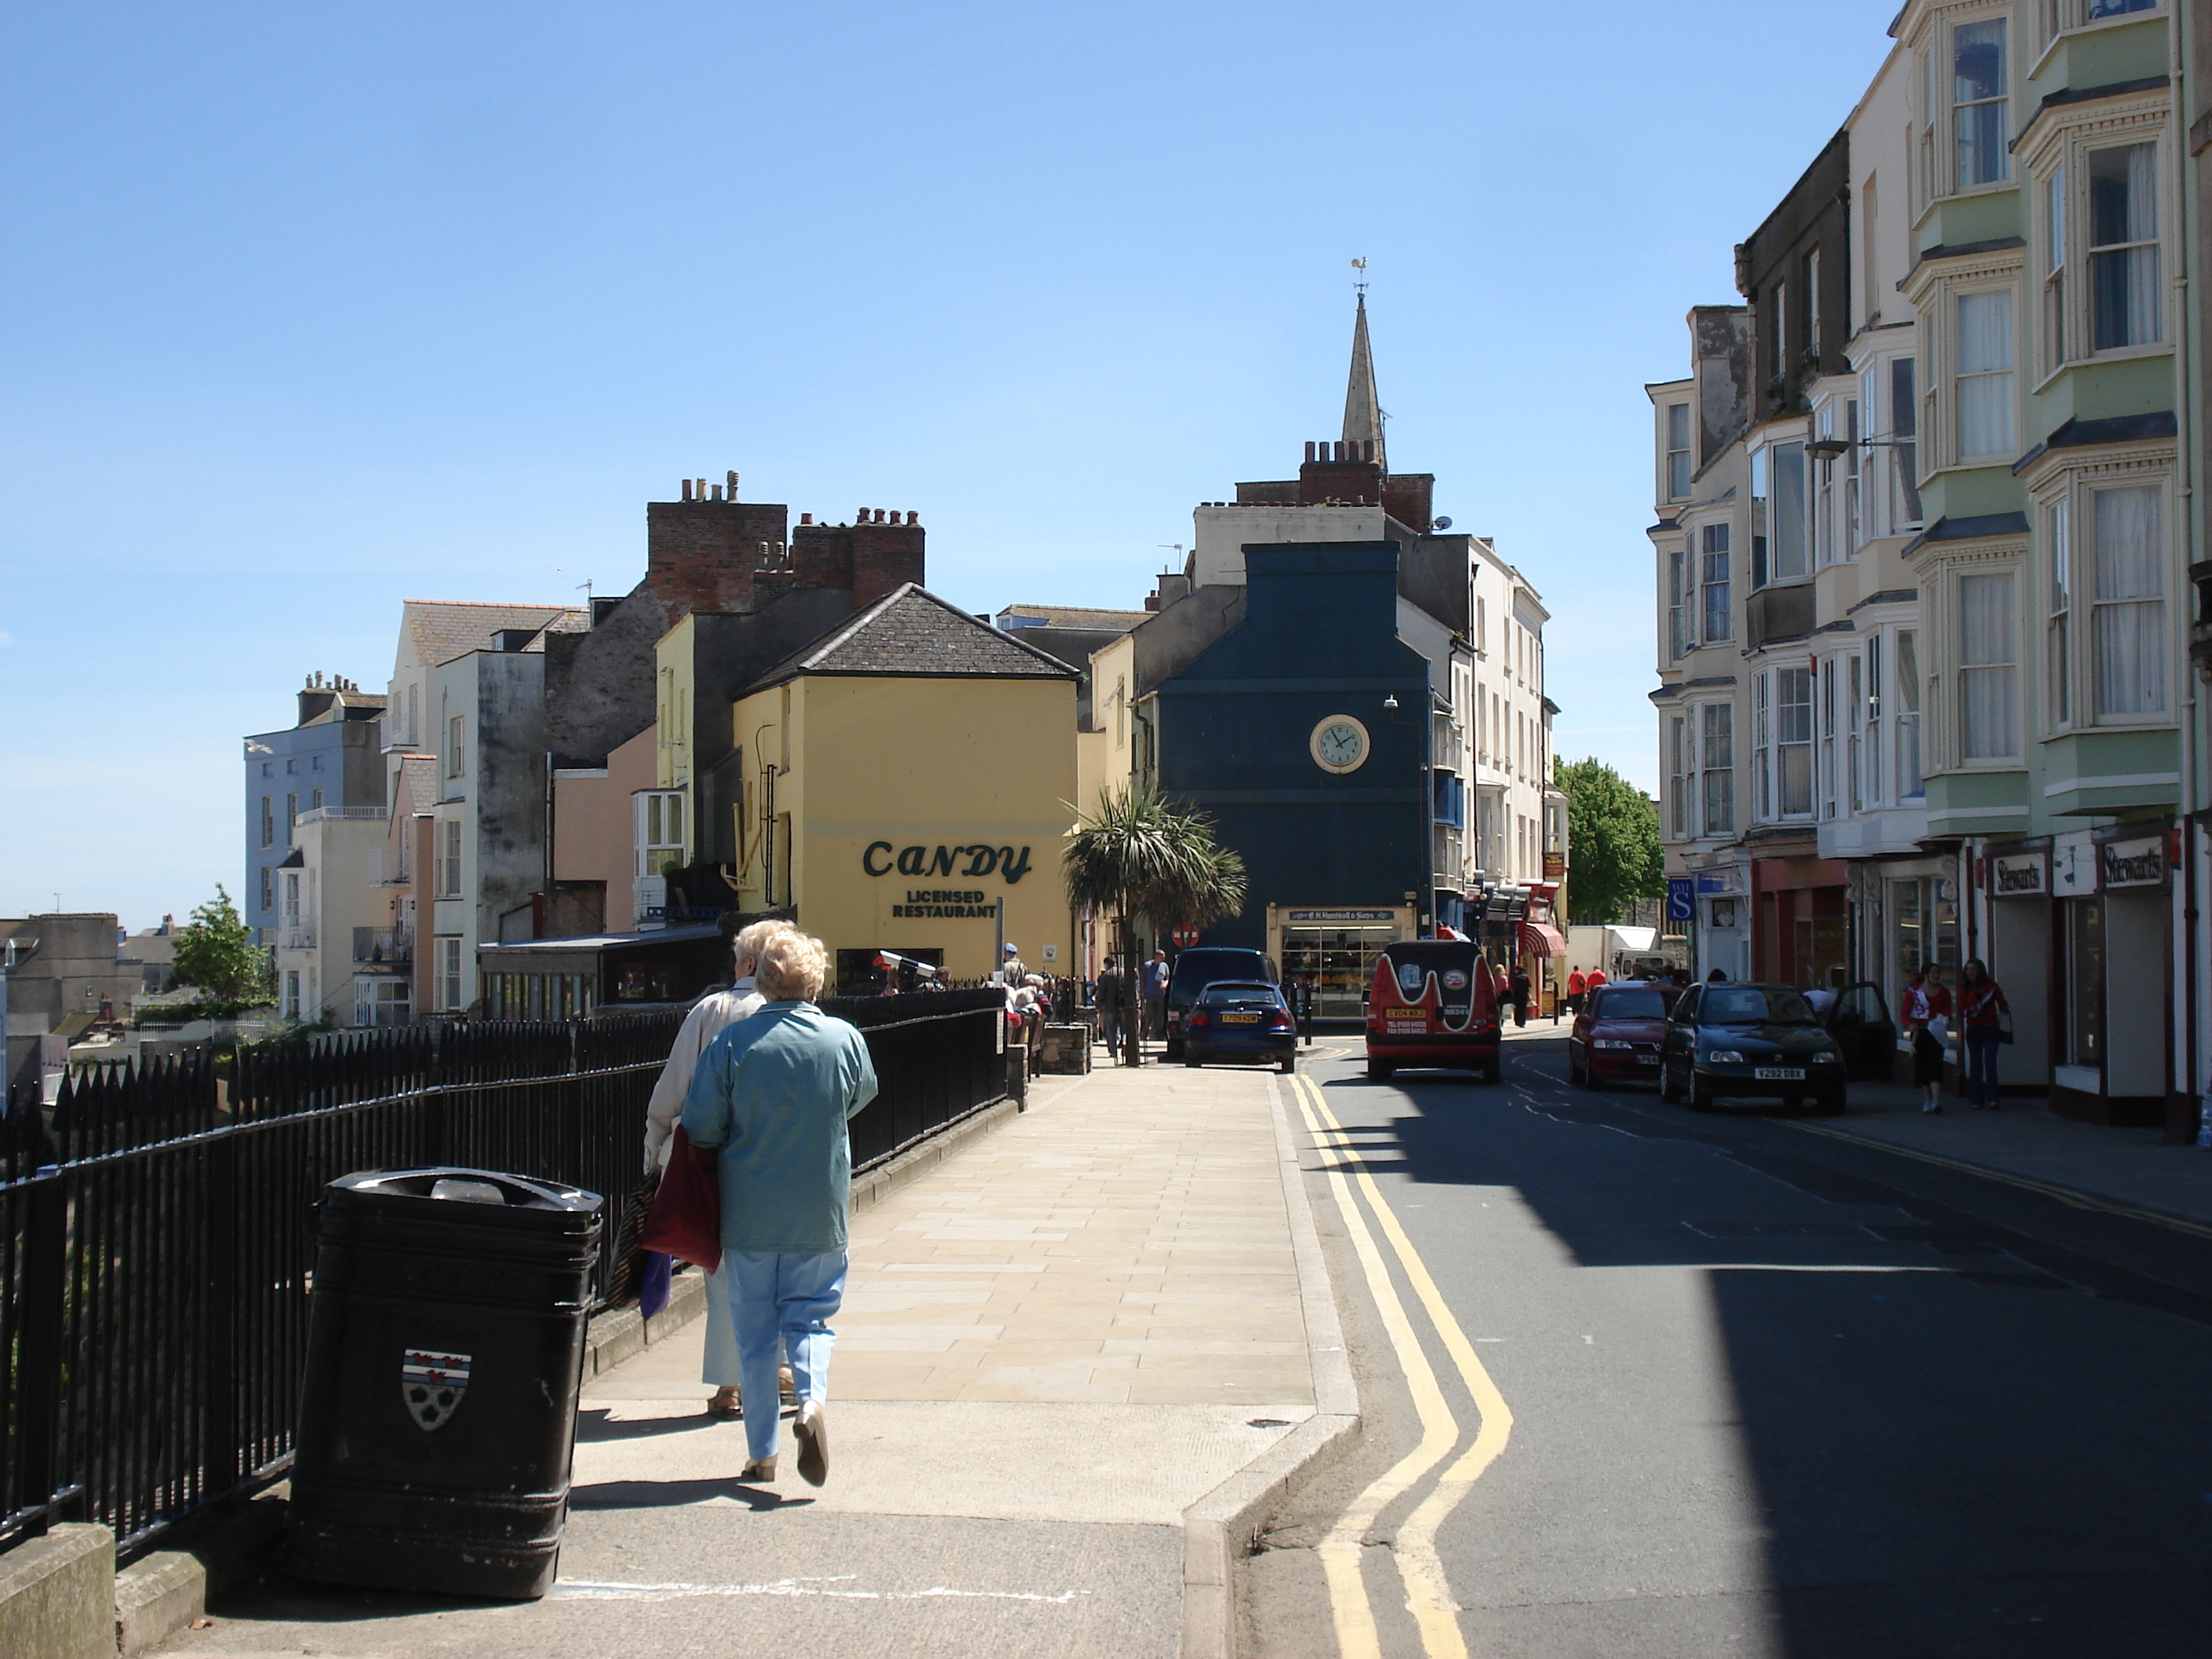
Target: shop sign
pixel 1555 866
pixel 957 902
pixel 1727 880
pixel 2125 864
pixel 1682 899
pixel 1334 918
pixel 880 858
pixel 2024 875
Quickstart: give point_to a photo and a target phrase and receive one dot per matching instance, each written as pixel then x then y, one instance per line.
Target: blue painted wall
pixel 1320 637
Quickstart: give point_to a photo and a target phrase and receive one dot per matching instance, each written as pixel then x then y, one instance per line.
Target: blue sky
pixel 309 309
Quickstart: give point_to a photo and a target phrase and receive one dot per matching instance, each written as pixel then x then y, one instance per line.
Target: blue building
pixel 1355 694
pixel 331 758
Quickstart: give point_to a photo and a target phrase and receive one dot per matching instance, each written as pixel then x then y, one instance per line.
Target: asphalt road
pixel 1754 1390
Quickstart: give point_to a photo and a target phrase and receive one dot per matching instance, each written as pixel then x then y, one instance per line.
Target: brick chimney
pixel 701 555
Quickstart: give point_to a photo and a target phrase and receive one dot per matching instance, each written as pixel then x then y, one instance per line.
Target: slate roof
pixel 442 630
pixel 1070 616
pixel 420 774
pixel 913 632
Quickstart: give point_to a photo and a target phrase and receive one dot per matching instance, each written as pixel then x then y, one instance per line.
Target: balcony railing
pixel 299 939
pixel 385 947
pixel 315 813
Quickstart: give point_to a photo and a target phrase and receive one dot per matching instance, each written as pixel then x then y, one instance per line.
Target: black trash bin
pixel 445 1351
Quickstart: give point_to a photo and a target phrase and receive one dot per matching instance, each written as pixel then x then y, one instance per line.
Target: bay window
pixel 1850 702
pixel 2054 280
pixel 1871 718
pixel 1762 751
pixel 1793 734
pixel 1905 449
pixel 1677 632
pixel 2124 293
pixel 1978 103
pixel 2058 627
pixel 1851 479
pixel 1681 765
pixel 1713 545
pixel 1831 781
pixel 1717 751
pixel 1984 353
pixel 2127 616
pixel 1906 742
pixel 1989 676
pixel 1678 451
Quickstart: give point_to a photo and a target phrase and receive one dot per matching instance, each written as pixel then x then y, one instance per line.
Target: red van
pixel 1434 1002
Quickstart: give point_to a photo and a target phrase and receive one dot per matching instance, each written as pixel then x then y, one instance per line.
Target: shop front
pixel 1721 914
pixel 2111 959
pixel 1330 950
pixel 1801 923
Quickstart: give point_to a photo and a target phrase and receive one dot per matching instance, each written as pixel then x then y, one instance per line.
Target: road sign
pixel 1682 901
pixel 1184 937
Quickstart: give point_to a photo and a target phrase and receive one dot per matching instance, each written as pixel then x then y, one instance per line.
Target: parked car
pixel 1432 1002
pixel 1202 966
pixel 1864 1030
pixel 1617 1036
pixel 1241 1020
pixel 1736 1041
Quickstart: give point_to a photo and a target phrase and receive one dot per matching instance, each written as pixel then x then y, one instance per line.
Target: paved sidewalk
pixel 1054 1343
pixel 2023 1140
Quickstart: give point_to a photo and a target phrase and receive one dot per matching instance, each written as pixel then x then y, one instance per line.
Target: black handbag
pixel 2004 1025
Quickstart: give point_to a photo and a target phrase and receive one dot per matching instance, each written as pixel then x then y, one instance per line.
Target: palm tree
pixel 1141 854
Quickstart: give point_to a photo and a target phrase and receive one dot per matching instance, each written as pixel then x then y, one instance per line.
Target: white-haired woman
pixel 708 1018
pixel 769 1105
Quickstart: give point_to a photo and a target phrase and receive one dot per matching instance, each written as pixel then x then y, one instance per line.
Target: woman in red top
pixel 1926 1001
pixel 1981 1003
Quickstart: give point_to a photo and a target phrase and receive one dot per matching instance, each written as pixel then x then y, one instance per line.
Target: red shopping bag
pixel 686 1217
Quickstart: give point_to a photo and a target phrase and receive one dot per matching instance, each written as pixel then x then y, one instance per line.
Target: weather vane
pixel 1360 265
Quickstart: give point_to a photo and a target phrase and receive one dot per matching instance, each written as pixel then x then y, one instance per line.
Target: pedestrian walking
pixel 1982 1012
pixel 1926 1015
pixel 1155 995
pixel 1595 978
pixel 707 1020
pixel 1521 985
pixel 1112 1000
pixel 1575 986
pixel 768 1107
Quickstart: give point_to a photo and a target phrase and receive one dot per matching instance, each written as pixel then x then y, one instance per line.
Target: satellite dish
pixel 1441 524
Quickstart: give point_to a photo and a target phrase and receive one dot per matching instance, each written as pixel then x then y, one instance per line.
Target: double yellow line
pixel 1428 1595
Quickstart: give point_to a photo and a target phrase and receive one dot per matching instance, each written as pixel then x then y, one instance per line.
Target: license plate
pixel 1404 1013
pixel 1647 1060
pixel 1780 1074
pixel 1240 1019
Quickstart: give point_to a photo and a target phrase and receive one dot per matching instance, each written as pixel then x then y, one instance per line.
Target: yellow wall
pixel 880 764
pixel 674 656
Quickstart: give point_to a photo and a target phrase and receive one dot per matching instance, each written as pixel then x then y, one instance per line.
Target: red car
pixel 1432 1003
pixel 1616 1037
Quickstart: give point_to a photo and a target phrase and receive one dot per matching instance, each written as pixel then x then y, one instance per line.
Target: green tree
pixel 217 955
pixel 1612 842
pixel 1141 855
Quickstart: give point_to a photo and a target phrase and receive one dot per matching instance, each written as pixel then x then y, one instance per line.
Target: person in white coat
pixel 707 1017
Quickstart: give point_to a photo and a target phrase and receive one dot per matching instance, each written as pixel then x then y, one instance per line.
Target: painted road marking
pixel 585 1591
pixel 1428 1593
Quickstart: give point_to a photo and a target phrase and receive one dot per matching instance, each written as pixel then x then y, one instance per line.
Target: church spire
pixel 1362 414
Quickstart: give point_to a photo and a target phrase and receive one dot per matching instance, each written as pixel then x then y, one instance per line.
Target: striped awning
pixel 1541 938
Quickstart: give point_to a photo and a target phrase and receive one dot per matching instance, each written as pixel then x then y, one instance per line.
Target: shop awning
pixel 1541 938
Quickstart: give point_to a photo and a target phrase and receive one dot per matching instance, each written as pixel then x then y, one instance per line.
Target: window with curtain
pixel 1762 751
pixel 1851 479
pixel 1717 749
pixel 1831 779
pixel 1790 555
pixel 1678 451
pixel 1904 450
pixel 2128 616
pixel 1871 717
pixel 1989 678
pixel 2058 629
pixel 1985 424
pixel 1978 103
pixel 2054 279
pixel 1680 768
pixel 1713 549
pixel 2124 297
pixel 1793 740
pixel 1910 786
pixel 1677 632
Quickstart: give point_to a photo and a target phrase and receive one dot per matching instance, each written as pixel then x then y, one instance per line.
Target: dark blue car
pixel 1241 1020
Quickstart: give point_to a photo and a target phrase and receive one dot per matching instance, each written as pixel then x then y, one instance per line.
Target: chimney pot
pixel 914 517
pixel 732 476
pixel 718 492
pixel 807 518
pixel 1309 449
pixel 687 489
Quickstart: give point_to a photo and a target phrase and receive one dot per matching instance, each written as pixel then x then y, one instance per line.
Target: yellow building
pixel 901 777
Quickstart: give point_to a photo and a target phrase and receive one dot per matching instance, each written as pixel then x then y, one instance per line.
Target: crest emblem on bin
pixel 431 1384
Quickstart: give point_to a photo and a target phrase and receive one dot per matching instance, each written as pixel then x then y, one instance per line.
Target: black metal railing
pixel 157 1239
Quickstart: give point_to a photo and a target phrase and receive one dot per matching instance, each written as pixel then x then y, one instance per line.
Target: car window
pixel 1637 1004
pixel 1240 996
pixel 1754 1004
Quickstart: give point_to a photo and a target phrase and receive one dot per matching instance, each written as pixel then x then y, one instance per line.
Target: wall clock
pixel 1339 744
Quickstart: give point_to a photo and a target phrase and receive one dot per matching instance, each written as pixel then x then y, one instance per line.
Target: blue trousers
pixel 782 1302
pixel 1981 1045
